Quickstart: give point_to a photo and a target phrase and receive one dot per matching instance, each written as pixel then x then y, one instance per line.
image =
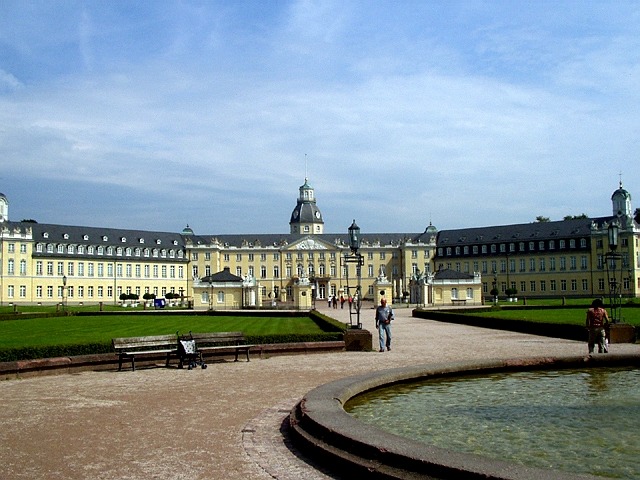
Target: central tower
pixel 306 218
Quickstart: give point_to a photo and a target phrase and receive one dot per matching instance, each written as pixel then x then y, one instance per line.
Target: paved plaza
pixel 219 423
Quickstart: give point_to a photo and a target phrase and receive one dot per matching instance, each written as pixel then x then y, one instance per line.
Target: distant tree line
pixel 542 219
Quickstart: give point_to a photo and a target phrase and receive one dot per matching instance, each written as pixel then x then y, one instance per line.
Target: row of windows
pixel 300 270
pixel 573 285
pixel 89 292
pixel 11 248
pixel 520 247
pixel 455 294
pixel 91 269
pixel 299 256
pixel 542 264
pixel 109 250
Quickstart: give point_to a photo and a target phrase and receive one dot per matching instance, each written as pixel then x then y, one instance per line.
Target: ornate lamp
pixel 354 237
pixel 64 291
pixel 612 232
pixel 615 284
pixel 358 259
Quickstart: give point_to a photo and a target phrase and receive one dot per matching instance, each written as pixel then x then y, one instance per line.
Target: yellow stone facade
pixel 552 259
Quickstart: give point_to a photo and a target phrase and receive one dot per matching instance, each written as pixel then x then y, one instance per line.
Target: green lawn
pixel 101 329
pixel 571 316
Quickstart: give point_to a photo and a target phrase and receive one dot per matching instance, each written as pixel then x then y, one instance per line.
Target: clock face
pixel 318 215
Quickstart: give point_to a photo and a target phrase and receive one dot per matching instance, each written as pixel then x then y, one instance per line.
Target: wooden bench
pixel 220 341
pixel 130 347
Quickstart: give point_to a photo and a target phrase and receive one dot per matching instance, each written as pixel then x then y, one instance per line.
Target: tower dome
pixel 621 202
pixel 306 217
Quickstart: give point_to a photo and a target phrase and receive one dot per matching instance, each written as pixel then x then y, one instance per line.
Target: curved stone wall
pixel 321 428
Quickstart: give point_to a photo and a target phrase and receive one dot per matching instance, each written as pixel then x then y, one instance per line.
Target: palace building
pixel 49 263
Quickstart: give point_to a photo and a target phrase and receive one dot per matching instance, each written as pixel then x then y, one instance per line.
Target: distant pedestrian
pixel 597 326
pixel 329 301
pixel 342 300
pixel 384 316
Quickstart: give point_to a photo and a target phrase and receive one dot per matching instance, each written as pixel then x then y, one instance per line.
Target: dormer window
pixel 45 235
pixel 141 240
pixel 65 236
pixel 123 239
pixel 158 241
pixel 85 237
pixel 175 242
pixel 105 238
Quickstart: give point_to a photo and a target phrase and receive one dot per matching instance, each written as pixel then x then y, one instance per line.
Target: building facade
pixel 47 263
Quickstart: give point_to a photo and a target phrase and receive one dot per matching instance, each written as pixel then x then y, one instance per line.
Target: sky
pixel 153 115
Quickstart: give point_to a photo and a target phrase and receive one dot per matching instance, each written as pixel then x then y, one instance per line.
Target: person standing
pixel 597 323
pixel 384 316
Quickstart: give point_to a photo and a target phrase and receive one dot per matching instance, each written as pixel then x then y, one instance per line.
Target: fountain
pixel 322 428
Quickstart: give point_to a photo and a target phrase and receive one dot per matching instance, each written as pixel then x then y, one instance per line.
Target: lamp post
pixel 210 293
pixel 355 257
pixel 612 257
pixel 64 293
pixel 494 290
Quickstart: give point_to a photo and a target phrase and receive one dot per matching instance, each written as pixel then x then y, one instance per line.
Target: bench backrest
pixel 148 343
pixel 217 338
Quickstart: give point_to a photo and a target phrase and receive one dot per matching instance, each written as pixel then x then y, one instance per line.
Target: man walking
pixel 384 316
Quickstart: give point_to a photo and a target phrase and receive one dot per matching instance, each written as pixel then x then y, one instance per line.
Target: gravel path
pixel 219 423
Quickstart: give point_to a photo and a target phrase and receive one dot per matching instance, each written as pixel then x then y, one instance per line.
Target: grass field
pixel 73 330
pixel 570 316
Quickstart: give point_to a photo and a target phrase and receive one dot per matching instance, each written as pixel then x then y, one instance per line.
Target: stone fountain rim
pixel 321 414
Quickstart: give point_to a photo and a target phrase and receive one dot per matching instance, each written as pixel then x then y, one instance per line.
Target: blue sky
pixel 158 114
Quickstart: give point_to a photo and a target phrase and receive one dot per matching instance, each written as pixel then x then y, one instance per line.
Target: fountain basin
pixel 322 429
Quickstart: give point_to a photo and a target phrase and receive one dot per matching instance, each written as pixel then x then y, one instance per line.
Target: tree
pixel 541 219
pixel 576 217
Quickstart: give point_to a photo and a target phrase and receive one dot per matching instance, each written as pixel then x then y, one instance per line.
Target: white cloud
pixel 408 122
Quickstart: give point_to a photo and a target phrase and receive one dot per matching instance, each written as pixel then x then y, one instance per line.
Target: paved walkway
pixel 219 423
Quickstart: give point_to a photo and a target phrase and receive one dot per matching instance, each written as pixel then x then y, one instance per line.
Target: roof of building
pixel 519 232
pixel 225 276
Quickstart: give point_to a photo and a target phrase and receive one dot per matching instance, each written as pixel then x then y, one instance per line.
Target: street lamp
pixel 612 257
pixel 355 257
pixel 354 237
pixel 494 291
pixel 64 292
